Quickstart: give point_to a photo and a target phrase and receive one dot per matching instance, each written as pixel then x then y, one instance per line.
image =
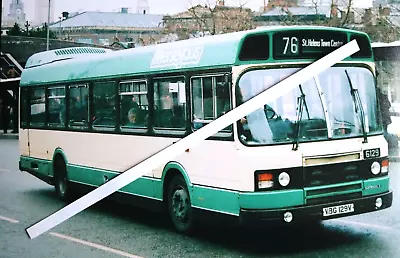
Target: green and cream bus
pixel 317 152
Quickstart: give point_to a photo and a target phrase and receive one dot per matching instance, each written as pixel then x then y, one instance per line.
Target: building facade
pixel 339 3
pixel 143 7
pixel 16 15
pixel 105 28
pixel 41 12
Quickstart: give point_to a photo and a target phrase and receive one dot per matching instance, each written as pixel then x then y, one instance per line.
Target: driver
pixel 256 121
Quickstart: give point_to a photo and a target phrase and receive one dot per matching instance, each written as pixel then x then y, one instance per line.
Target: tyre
pixel 179 205
pixel 61 180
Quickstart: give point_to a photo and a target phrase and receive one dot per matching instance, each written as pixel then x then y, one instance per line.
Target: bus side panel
pixel 38 144
pixel 24 142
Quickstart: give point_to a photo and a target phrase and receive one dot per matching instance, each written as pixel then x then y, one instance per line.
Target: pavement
pixel 8 135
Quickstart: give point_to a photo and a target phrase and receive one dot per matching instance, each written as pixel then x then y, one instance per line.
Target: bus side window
pixel 169 103
pixel 104 97
pixel 38 107
pixel 56 106
pixel 211 99
pixel 78 106
pixel 134 104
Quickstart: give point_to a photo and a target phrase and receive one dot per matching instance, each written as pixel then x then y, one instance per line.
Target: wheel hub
pixel 180 204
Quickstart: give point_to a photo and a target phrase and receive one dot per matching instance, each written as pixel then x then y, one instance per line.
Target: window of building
pixel 170 103
pixel 38 106
pixel 56 106
pixel 210 99
pixel 104 97
pixel 78 105
pixel 134 104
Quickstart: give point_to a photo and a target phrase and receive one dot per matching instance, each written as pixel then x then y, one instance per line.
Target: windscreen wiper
pixel 301 102
pixel 358 106
pixel 304 101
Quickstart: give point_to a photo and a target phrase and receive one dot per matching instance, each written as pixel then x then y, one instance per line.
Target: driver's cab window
pixel 134 104
pixel 277 121
pixel 104 97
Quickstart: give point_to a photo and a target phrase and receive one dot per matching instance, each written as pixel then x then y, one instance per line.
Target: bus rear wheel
pixel 179 205
pixel 61 180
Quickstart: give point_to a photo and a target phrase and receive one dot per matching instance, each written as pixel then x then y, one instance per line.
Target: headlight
pixel 375 168
pixel 284 179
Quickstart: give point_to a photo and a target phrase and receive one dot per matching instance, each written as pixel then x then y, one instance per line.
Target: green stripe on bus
pixel 144 186
pixel 376 186
pixel 44 167
pixel 271 200
pixel 219 200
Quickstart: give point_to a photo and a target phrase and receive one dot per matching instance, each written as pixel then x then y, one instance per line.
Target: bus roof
pixel 205 52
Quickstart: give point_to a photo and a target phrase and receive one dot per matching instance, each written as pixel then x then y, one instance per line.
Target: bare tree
pixel 348 13
pixel 210 19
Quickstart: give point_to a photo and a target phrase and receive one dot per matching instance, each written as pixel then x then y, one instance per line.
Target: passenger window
pixel 170 103
pixel 211 99
pixel 134 104
pixel 56 106
pixel 38 107
pixel 78 105
pixel 104 97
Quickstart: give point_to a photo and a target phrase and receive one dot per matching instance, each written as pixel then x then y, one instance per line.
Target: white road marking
pixel 101 247
pixel 362 224
pixel 8 219
pixel 4 170
pixel 191 140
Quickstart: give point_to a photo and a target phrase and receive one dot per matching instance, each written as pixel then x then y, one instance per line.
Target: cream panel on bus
pixel 215 164
pixel 23 137
pixel 220 164
pixel 39 141
pixel 343 146
pixel 104 151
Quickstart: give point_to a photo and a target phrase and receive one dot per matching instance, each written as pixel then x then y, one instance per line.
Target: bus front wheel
pixel 61 180
pixel 179 205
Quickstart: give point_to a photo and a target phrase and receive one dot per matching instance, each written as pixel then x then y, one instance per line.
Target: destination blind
pixel 306 44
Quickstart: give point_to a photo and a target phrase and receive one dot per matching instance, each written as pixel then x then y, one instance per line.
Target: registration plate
pixel 335 210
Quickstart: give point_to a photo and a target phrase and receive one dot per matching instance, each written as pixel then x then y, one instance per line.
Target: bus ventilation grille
pixel 81 50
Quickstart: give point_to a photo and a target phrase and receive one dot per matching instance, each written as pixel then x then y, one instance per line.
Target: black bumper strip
pixel 314 212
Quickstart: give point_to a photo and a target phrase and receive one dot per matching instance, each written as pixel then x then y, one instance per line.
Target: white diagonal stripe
pixel 170 152
pixel 8 219
pixel 94 245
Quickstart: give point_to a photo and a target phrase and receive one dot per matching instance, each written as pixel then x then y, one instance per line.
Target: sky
pixel 156 6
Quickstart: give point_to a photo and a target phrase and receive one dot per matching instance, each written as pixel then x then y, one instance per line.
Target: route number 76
pixel 292 43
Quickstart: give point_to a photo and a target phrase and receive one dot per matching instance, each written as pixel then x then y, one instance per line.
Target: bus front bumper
pixel 316 212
